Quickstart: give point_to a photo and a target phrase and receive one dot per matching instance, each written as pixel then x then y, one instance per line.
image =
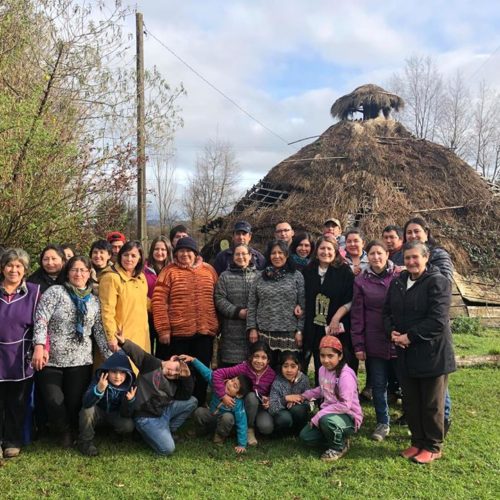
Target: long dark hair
pixel 151 260
pixel 289 264
pixel 260 345
pixel 58 249
pixel 338 369
pixel 420 222
pixel 129 245
pixel 296 242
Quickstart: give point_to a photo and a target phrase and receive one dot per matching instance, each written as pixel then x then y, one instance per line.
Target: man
pixel 332 227
pixel 393 239
pixel 116 240
pixel 176 233
pixel 242 234
pixel 283 231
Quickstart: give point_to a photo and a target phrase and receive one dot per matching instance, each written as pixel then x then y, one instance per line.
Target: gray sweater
pixel 282 387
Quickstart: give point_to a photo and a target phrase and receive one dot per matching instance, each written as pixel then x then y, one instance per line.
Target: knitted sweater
pixel 282 387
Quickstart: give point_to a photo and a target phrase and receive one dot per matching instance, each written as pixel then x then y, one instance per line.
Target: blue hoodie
pixel 113 399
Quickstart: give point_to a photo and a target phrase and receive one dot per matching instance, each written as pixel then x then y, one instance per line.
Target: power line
pixel 223 94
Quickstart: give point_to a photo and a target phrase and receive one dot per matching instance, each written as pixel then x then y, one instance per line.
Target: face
pixel 160 252
pixel 290 370
pixel 185 256
pixel 284 232
pixel 329 358
pixel 241 257
pixel 116 377
pixel 326 253
pixel 304 249
pixel 130 259
pixel 171 369
pixel 416 232
pixel 392 240
pixel 68 253
pixel 13 272
pixel 78 275
pixel 232 387
pixel 331 229
pixel 354 245
pixel 377 257
pixel 116 246
pixel 240 237
pixel 52 262
pixel 259 361
pixel 100 258
pixel 278 257
pixel 415 262
pixel 177 237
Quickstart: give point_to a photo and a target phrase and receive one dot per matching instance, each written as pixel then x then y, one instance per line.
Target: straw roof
pixel 368 99
pixel 370 174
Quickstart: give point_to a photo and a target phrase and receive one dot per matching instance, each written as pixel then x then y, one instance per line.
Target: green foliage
pixel 467 326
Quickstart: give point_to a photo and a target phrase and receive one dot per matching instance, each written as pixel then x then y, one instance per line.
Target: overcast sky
pixel 286 61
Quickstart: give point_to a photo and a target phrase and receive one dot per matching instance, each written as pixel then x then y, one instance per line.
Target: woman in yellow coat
pixel 123 294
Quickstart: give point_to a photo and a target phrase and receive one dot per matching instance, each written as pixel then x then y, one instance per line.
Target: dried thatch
pixel 370 174
pixel 368 99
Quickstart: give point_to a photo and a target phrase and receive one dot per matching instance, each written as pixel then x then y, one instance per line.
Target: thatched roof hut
pixel 368 99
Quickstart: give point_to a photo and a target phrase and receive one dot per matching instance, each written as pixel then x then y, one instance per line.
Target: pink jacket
pixel 348 401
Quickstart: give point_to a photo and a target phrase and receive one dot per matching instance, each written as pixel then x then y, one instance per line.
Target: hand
pixel 164 339
pixel 294 399
pixel 103 382
pixel 298 339
pixel 131 393
pixel 240 449
pixel 243 314
pixel 265 402
pixel 361 355
pixel 253 335
pixel 228 401
pixel 356 270
pixel 186 358
pixel 40 357
pixel 297 311
pixel 402 341
pixel 394 335
pixel 334 327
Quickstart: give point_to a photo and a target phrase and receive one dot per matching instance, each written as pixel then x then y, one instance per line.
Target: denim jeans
pixel 157 431
pixel 379 372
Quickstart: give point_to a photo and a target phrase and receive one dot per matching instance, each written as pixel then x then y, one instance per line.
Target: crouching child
pixel 109 400
pixel 220 417
pixel 164 398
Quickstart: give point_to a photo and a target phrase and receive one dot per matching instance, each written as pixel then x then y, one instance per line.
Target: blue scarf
pixel 80 299
pixel 300 262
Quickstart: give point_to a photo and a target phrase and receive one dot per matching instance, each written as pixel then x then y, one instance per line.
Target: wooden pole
pixel 141 133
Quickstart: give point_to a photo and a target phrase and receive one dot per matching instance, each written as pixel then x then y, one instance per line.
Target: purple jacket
pixel 367 323
pixel 16 334
pixel 151 278
pixel 262 383
pixel 347 402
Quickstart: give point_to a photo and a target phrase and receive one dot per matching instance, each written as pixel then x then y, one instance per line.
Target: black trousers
pixel 200 347
pixel 13 402
pixel 62 390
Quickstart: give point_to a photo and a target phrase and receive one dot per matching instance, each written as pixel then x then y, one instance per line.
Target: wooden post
pixel 141 134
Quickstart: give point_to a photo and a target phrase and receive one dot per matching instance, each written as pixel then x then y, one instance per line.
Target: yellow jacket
pixel 124 305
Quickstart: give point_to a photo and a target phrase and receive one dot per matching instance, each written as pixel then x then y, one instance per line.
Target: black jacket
pixel 422 312
pixel 40 277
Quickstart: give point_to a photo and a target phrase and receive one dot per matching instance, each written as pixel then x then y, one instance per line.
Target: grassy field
pixel 281 468
pixel 488 342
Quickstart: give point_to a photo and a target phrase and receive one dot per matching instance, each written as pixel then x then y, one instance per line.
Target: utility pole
pixel 141 133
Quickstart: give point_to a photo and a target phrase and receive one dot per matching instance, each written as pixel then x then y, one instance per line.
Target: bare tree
pixel 420 85
pixel 211 190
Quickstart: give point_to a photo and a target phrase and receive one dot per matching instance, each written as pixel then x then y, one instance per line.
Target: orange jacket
pixel 183 301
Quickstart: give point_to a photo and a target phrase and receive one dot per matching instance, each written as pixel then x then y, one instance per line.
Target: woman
pixel 69 250
pixel 100 256
pixel 184 309
pixel 416 317
pixel 18 301
pixel 369 340
pixel 276 303
pixel 301 249
pixel 52 261
pixel 231 299
pixel 355 255
pixel 123 296
pixel 328 290
pixel 70 315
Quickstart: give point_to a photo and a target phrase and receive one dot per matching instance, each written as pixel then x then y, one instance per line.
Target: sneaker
pixel 367 394
pixel 11 452
pixel 410 452
pixel 331 455
pixel 426 457
pixel 252 440
pixel 88 448
pixel 381 432
pixel 218 439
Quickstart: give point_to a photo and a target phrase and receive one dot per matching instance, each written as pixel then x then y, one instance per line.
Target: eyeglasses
pixel 241 254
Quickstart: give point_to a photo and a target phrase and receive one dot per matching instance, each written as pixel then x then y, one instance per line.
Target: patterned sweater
pixel 282 387
pixel 56 317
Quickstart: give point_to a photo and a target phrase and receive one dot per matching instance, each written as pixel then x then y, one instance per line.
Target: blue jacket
pixel 113 399
pixel 217 408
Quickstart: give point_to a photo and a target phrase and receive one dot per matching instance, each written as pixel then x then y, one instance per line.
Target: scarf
pixel 80 299
pixel 272 273
pixel 300 262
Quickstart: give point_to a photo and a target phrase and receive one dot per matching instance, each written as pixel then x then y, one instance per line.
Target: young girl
pixel 340 414
pixel 286 404
pixel 257 369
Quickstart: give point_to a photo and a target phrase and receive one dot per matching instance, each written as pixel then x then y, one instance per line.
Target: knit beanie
pixel 187 242
pixel 332 342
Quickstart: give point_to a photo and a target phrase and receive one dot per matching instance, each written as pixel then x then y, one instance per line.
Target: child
pixel 219 416
pixel 286 404
pixel 257 369
pixel 340 414
pixel 164 396
pixel 109 399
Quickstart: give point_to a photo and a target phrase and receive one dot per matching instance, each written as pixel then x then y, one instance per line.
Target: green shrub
pixel 467 326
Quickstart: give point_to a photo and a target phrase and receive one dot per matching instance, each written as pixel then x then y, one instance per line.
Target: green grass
pixel 488 342
pixel 281 468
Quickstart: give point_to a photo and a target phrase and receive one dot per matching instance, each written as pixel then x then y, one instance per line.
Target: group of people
pixel 125 339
